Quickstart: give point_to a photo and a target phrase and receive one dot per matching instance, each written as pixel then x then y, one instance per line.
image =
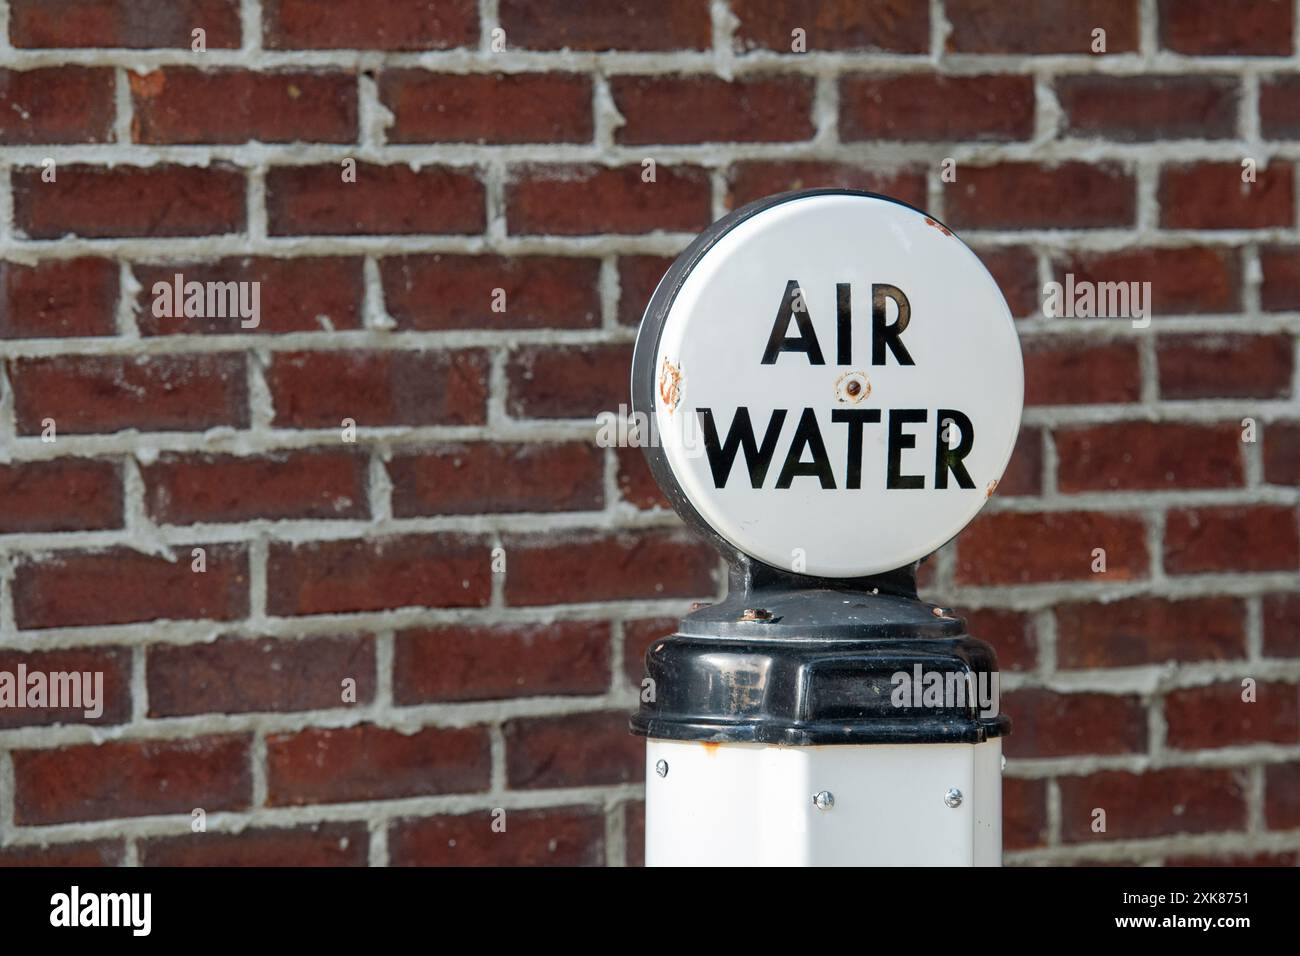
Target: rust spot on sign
pixel 670 385
pixel 993 486
pixel 852 387
pixel 942 228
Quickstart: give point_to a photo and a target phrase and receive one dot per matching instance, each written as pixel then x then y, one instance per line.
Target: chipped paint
pixel 942 228
pixel 993 486
pixel 670 385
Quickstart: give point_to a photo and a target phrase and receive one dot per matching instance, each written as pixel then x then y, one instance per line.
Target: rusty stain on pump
pixel 670 385
pixel 710 746
pixel 852 387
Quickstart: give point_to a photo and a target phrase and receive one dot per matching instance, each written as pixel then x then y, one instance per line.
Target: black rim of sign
pixel 645 373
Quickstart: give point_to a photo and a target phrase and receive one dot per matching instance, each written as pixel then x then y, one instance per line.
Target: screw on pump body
pixel 953 798
pixel 823 800
pixel 661 768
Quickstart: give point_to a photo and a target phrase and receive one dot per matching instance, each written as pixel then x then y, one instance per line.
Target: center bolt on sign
pixel 833 385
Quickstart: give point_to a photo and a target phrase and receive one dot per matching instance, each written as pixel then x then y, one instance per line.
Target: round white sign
pixel 837 382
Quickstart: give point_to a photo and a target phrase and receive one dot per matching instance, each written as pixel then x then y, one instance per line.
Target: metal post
pixel 821 714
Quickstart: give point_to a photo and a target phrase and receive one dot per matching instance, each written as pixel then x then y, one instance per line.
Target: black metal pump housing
pixel 794 659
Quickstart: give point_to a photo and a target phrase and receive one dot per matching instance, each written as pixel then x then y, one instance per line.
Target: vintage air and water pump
pixel 829 386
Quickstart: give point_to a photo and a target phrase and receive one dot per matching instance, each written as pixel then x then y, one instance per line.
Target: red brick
pixel 97 202
pixel 65 494
pixel 487 107
pixel 606 24
pixel 1199 718
pixel 181 105
pixel 1012 634
pixel 1139 455
pixel 1255 28
pixel 585 567
pixel 1184 281
pixel 1152 804
pixel 758 179
pixel 133 24
pixel 637 638
pixel 320 389
pixel 1282 625
pixel 311 294
pixel 121 586
pixel 638 276
pixel 191 489
pixel 895 26
pixel 90 393
pixel 573 200
pixel 1040 26
pixel 466 662
pixel 375 574
pixel 236 676
pixel 1280 291
pixel 931 106
pixel 1137 631
pixel 634 832
pixel 1024 473
pixel 636 485
pixel 1279 106
pixel 89 853
pixel 1224 366
pixel 131 778
pixel 568 381
pixel 1021 547
pixel 572 750
pixel 58 298
pixel 1076 371
pixel 1233 539
pixel 492 477
pixel 554 836
pixel 367 762
pixel 1282 796
pixel 113 664
pixel 414 25
pixel 1154 107
pixel 442 291
pixel 394 199
pixel 1045 723
pixel 315 844
pixel 62 104
pixel 752 109
pixel 1015 269
pixel 1024 813
pixel 1213 196
pixel 1071 195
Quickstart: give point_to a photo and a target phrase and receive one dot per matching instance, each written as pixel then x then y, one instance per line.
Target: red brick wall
pixel 514 162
